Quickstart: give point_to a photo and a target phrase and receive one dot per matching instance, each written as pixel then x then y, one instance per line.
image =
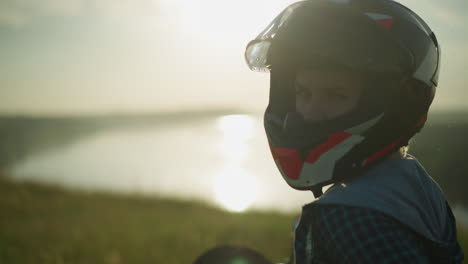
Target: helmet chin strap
pixel 317 191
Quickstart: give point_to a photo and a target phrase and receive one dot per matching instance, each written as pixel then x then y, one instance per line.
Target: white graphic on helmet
pixel 321 170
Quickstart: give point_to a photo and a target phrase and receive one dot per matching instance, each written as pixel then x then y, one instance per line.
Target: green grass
pixel 44 224
pixel 462 233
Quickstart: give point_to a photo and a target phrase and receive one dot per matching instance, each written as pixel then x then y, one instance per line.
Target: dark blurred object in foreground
pixel 231 255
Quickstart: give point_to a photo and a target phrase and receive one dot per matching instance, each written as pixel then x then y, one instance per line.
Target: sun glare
pixel 226 23
pixel 235 188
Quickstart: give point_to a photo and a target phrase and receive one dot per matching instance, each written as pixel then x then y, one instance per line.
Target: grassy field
pixel 44 224
pixel 463 239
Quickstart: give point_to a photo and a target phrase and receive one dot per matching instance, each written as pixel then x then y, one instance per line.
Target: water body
pixel 223 160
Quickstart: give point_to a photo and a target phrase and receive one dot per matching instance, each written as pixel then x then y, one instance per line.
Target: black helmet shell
pixel 374 37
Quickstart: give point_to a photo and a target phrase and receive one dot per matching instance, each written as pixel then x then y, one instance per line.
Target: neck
pixel 396 155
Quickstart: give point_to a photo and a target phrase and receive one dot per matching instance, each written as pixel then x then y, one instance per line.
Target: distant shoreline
pixel 25 135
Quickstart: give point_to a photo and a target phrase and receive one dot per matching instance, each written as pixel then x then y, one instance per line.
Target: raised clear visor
pixel 256 55
pixel 257 49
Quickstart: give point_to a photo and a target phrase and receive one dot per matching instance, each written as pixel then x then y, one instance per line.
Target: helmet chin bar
pixel 312 167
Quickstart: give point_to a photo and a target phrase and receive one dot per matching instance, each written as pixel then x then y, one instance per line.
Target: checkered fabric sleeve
pixel 343 234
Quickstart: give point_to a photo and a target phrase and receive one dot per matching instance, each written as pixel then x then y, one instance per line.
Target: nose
pixel 312 108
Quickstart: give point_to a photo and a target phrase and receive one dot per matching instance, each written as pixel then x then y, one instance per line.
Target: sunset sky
pixel 108 56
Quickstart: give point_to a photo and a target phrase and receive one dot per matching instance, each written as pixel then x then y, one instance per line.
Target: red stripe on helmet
pixel 383 151
pixel 289 160
pixel 386 22
pixel 333 140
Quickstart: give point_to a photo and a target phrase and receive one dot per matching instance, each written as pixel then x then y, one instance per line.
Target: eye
pixel 337 94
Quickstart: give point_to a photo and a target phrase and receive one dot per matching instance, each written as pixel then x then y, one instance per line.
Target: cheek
pixel 306 109
pixel 324 107
pixel 304 105
pixel 343 107
pixel 300 103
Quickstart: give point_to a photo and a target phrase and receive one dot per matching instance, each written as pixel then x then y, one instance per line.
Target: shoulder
pixel 358 220
pixel 360 235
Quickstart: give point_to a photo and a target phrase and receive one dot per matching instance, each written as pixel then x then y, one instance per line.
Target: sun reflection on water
pixel 234 187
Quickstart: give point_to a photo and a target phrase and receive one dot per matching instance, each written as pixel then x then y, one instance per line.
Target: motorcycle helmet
pixel 380 39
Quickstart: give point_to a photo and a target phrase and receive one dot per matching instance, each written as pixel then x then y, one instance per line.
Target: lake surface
pixel 224 161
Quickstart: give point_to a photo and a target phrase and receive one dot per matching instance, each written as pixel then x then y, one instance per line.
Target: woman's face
pixel 326 94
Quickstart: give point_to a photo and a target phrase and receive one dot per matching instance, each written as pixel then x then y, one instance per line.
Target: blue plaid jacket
pixel 393 213
pixel 344 234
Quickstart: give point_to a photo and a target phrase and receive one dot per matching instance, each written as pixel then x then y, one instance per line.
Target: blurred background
pixel 131 131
